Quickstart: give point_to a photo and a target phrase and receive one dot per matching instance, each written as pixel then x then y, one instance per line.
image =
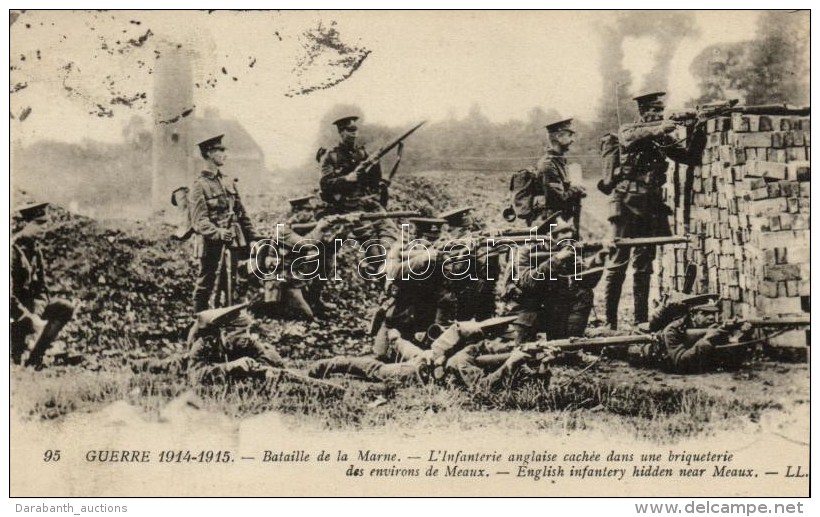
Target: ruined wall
pixel 747 210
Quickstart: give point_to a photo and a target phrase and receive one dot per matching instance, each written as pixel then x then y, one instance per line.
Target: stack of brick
pixel 747 209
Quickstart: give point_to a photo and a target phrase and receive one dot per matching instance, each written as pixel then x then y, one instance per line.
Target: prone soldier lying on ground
pixel 223 348
pixel 690 339
pixel 454 356
pixel 36 318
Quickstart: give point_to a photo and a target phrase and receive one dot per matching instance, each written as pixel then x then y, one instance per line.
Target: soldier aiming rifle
pixel 352 182
pixel 634 171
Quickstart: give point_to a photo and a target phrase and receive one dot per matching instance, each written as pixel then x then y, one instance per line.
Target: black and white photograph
pixel 360 253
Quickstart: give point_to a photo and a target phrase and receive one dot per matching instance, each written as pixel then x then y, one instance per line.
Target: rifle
pixel 303 228
pixel 735 324
pixel 626 242
pixel 226 258
pixel 569 344
pixel 379 154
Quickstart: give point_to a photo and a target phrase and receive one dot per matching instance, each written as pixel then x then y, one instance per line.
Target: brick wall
pixel 747 209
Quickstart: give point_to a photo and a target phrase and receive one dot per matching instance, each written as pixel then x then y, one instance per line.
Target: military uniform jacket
pixel 643 151
pixel 552 172
pixel 27 277
pixel 337 163
pixel 411 303
pixel 213 199
pixel 210 354
pixel 677 341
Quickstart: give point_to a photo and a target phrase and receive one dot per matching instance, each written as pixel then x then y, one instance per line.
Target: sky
pixel 420 66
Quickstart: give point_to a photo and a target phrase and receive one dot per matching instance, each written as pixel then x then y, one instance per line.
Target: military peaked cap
pixel 215 317
pixel 345 122
pixel 456 217
pixel 427 224
pixel 650 100
pixel 560 125
pixel 31 211
pixel 301 202
pixel 211 144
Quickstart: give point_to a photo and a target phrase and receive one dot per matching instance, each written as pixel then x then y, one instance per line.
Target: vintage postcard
pixel 409 253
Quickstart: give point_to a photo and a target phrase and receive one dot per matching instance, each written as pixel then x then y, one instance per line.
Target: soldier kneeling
pixel 36 318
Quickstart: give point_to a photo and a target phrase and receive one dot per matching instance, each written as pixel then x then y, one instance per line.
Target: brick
pixel 768 206
pixel 798 170
pixel 801 222
pixel 754 123
pixel 792 288
pixel 786 222
pixel 780 255
pixel 759 193
pixel 782 273
pixel 710 125
pixel 769 240
pixel 774 223
pixel 751 153
pixel 777 139
pixel 804 288
pixel 799 137
pixel 796 154
pixel 785 124
pixel 780 306
pixel 776 155
pixel 726 153
pixel 765 169
pixel 805 205
pixel 765 123
pixel 774 189
pixel 788 139
pixel 752 139
pixel 805 189
pixel 794 205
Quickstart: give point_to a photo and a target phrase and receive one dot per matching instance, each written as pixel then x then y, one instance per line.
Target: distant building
pixel 178 127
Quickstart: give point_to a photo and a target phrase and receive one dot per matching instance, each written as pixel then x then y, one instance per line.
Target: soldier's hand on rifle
pixel 226 234
pixel 577 192
pixel 565 253
pixel 243 365
pixel 352 177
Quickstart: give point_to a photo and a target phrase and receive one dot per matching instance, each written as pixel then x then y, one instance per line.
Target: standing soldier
pixel 34 316
pixel 219 220
pixel 346 189
pixel 637 171
pixel 559 195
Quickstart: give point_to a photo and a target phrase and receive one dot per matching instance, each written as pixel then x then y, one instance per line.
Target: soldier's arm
pixel 690 153
pixel 551 180
pixel 374 174
pixel 332 181
pixel 674 335
pixel 242 218
pixel 199 213
pixel 201 368
pixel 635 133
